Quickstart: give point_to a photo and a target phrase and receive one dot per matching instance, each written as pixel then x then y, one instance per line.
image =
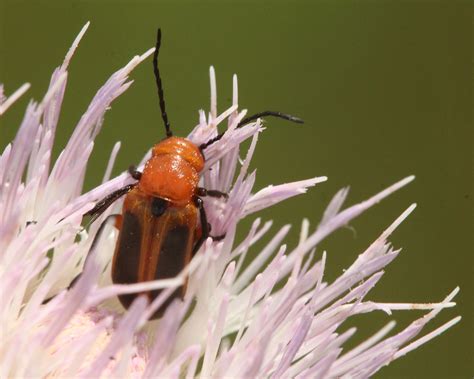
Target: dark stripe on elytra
pixel 128 255
pixel 172 261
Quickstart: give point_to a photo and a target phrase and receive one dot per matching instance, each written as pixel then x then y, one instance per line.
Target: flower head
pixel 276 317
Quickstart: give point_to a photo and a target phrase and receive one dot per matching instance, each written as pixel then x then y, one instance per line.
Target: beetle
pixel 163 222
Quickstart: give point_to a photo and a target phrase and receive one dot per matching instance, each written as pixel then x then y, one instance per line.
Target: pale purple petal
pixel 274 194
pixel 6 102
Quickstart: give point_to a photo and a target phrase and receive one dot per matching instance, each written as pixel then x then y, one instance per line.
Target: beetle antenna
pixel 246 120
pixel 159 85
pixel 284 116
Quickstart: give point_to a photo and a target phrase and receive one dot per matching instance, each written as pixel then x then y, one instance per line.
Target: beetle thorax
pixel 172 173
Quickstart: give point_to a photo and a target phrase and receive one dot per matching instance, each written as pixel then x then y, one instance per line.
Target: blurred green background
pixel 384 87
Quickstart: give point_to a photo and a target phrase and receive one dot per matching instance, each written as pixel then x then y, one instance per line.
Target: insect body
pixel 159 232
pixel 163 221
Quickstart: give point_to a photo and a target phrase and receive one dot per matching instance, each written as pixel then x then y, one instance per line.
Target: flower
pixel 276 317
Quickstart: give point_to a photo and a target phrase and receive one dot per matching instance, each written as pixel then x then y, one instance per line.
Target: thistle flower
pixel 276 317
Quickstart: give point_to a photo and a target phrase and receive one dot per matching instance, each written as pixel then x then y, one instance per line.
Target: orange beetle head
pixel 182 147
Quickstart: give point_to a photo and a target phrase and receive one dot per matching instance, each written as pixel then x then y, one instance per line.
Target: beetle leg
pixel 134 173
pixel 211 193
pixel 103 204
pixel 205 227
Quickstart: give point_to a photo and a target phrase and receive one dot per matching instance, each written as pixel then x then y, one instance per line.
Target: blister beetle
pixel 163 221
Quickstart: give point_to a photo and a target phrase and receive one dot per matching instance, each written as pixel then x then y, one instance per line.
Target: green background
pixel 384 87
